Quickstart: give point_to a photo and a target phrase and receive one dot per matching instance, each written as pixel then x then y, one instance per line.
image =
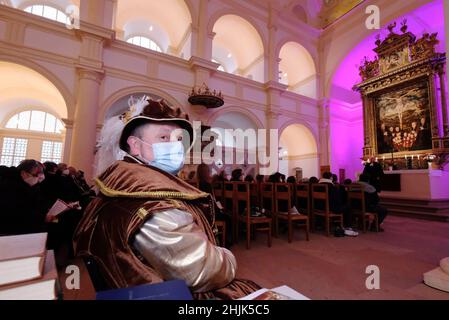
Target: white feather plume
pixel 108 146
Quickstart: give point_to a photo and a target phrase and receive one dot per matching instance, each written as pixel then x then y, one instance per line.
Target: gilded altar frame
pixel 402 61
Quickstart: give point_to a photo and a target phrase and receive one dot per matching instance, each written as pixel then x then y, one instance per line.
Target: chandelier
pixel 204 96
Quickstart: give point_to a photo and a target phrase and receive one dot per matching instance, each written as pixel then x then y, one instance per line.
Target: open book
pixel 279 293
pixel 60 206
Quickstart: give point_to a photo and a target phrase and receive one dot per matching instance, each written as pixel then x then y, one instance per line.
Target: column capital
pixel 68 123
pixel 211 35
pixel 274 85
pixel 90 73
pixel 272 114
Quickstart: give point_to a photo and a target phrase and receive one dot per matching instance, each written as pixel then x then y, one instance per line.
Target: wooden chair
pixel 267 199
pixel 254 189
pixel 217 189
pixel 257 224
pixel 302 196
pixel 283 193
pixel 229 206
pixel 356 200
pixel 320 207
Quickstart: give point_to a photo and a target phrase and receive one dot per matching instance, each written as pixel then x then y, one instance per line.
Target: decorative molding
pixel 302 156
pixel 68 123
pixel 90 74
pixel 15 32
pixel 275 86
pixel 197 62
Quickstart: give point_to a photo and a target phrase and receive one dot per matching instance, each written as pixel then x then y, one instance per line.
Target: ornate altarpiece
pixel 404 108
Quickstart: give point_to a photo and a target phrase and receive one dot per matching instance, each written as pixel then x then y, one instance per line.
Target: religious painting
pixel 403 119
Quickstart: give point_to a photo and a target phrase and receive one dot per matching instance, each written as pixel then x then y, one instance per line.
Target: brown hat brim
pixel 140 120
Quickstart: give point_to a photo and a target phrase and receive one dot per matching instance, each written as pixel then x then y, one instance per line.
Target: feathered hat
pixel 116 130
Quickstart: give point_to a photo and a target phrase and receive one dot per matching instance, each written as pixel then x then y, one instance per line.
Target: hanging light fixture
pixel 206 97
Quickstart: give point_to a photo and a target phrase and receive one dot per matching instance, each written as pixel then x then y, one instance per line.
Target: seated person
pixel 204 184
pixel 147 225
pixel 335 200
pixel 372 199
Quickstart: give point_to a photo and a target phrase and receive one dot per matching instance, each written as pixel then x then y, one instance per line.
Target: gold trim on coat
pixel 149 194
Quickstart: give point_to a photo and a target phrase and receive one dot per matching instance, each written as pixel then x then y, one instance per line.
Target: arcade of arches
pixel 277 65
pixel 67 66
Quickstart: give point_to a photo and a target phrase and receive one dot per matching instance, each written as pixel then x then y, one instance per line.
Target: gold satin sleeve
pixel 175 246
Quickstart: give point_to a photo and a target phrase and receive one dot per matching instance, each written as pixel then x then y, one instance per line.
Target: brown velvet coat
pixel 130 193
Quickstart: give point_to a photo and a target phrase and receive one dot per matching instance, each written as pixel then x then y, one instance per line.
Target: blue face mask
pixel 168 156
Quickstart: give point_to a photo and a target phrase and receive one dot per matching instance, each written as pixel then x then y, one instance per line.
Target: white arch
pixel 250 58
pixel 37 91
pixel 116 96
pixel 172 16
pixel 298 69
pixel 298 149
pixel 235 109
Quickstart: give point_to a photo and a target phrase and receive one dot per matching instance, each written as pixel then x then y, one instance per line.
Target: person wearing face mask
pixel 147 225
pixel 20 200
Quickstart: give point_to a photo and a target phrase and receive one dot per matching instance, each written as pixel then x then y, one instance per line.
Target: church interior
pixel 335 90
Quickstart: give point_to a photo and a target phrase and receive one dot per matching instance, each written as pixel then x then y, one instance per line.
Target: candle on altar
pixel 418 157
pixel 405 157
pixel 412 156
pixel 383 158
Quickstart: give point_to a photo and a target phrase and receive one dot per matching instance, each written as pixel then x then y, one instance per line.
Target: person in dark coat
pixel 21 206
pixel 375 172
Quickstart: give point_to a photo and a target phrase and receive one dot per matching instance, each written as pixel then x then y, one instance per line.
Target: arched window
pixel 144 42
pixel 220 67
pixel 20 140
pixel 47 12
pixel 35 121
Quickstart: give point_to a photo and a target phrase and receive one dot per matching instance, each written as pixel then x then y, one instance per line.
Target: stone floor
pixel 335 268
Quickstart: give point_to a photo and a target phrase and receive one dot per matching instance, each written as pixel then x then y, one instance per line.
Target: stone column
pixel 271 60
pixel 68 124
pixel 85 125
pixel 324 133
pixel 443 102
pixel 201 38
pixel 99 12
pixel 271 144
pixel 446 24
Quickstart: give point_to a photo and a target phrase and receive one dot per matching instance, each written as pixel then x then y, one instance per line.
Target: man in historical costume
pixel 147 225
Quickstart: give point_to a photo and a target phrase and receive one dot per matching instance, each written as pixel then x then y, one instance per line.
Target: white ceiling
pixel 240 38
pixel 172 15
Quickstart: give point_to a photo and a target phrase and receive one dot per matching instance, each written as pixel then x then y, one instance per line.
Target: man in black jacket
pixel 372 199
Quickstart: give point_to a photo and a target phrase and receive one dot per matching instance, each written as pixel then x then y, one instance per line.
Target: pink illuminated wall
pixel 345 104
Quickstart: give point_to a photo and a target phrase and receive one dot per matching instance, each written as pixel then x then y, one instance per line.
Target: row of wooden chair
pixel 311 200
pixel 265 195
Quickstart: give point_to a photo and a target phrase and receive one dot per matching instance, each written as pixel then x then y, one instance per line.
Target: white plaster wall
pixel 122 60
pixel 54 43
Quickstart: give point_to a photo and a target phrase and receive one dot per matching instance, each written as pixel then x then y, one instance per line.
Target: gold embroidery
pixel 150 194
pixel 142 213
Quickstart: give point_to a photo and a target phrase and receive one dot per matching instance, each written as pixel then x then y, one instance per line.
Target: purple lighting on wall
pixel 347 138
